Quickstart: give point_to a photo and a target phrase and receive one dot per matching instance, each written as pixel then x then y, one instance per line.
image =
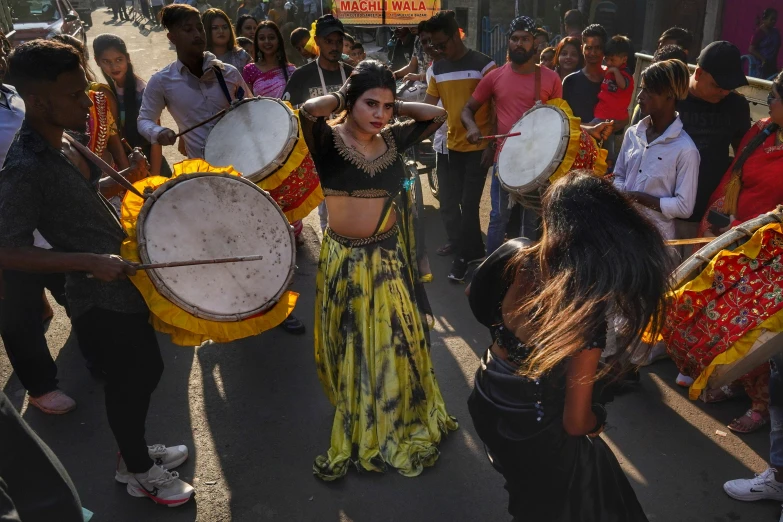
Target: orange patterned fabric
pixel 98 124
pixel 300 192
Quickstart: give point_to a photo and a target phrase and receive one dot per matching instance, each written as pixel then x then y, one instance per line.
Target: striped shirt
pixel 454 83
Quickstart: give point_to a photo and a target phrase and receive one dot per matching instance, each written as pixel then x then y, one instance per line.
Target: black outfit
pixel 118 10
pixel 305 82
pixel 460 199
pixel 22 329
pixel 713 127
pixel 34 486
pixel 400 54
pixel 40 188
pixel 581 94
pixel 550 475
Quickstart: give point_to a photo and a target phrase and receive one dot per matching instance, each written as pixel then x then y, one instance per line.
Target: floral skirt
pixel 372 356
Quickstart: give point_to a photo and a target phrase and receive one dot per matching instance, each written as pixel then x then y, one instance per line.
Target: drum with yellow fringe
pixel 203 213
pixel 725 315
pixel 261 138
pixel 551 143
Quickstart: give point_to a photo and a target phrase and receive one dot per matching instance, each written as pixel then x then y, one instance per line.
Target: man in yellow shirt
pixel 454 79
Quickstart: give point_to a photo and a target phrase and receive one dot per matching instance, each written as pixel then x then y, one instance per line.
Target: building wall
pixel 473 28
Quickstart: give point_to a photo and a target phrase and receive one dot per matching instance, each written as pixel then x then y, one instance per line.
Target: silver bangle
pixel 397 107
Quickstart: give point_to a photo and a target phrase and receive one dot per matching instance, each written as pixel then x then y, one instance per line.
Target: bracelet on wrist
pixel 397 107
pixel 600 417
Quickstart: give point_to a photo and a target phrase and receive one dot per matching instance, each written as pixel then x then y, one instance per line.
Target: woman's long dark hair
pixel 598 257
pixel 130 104
pixel 206 19
pixel 735 184
pixel 369 74
pixel 569 40
pixel 282 59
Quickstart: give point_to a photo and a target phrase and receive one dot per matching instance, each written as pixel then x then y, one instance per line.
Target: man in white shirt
pixel 190 88
pixel 658 164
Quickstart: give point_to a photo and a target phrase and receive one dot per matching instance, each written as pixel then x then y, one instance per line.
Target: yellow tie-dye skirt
pixel 372 356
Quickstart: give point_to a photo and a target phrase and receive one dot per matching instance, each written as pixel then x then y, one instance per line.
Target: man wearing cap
pixel 326 74
pixel 321 76
pixel 512 88
pixel 714 117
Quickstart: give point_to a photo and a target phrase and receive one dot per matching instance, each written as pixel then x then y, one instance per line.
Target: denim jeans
pixel 776 412
pixel 500 214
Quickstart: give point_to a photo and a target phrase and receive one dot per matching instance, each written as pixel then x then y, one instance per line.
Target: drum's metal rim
pixel 282 158
pixel 542 181
pixel 692 266
pixel 163 288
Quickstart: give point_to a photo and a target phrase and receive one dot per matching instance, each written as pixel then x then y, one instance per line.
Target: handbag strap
pixel 223 87
pixel 538 84
pixel 105 167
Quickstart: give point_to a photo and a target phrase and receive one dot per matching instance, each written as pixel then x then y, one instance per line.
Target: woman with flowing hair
pixel 269 74
pixel 535 404
pixel 221 40
pixel 371 328
pixel 568 56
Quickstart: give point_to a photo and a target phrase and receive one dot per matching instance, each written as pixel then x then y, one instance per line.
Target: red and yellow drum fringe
pixel 166 317
pixel 582 151
pixel 295 186
pixel 741 294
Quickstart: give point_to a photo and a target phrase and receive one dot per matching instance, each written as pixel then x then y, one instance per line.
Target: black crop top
pixel 491 281
pixel 345 172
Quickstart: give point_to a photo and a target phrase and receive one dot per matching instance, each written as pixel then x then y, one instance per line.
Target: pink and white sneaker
pixel 165 457
pixel 160 486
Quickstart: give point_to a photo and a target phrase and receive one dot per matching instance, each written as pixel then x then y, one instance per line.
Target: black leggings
pixel 125 348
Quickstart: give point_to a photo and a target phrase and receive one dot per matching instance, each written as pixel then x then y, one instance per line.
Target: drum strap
pixel 537 96
pixel 223 87
pixel 105 167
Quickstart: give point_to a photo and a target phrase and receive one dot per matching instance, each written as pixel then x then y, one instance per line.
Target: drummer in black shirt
pixel 46 184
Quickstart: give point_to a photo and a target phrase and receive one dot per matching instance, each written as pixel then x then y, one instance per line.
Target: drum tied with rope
pixel 548 142
pixel 725 316
pixel 261 138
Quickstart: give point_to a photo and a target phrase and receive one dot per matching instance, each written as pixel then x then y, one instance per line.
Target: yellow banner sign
pixel 388 12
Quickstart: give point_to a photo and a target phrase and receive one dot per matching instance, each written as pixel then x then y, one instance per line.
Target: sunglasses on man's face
pixel 771 97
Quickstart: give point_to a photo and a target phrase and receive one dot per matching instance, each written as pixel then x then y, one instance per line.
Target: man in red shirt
pixel 512 89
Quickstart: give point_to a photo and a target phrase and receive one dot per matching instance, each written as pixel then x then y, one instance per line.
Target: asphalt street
pixel 254 416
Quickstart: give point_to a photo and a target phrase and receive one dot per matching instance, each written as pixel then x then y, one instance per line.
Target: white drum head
pixel 255 138
pixel 207 216
pixel 526 161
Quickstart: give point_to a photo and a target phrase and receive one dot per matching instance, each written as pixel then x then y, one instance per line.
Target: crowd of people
pixel 550 300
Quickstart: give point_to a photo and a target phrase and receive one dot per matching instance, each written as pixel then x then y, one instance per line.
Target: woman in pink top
pixel 271 70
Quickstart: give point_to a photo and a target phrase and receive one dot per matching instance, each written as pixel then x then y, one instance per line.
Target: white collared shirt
pixel 189 99
pixel 667 168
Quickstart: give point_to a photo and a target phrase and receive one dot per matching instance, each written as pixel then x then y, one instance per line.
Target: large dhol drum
pixel 726 310
pixel 261 138
pixel 550 144
pixel 200 215
pixel 255 137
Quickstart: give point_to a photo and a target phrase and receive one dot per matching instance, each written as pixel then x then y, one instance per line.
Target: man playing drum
pixel 44 188
pixel 514 88
pixel 193 88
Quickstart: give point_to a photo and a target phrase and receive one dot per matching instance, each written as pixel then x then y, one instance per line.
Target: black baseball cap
pixel 328 24
pixel 722 60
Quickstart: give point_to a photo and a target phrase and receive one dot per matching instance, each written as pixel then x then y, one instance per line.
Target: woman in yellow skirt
pixel 371 335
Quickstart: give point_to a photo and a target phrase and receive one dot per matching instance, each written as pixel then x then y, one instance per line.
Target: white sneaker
pixel 167 458
pixel 762 487
pixel 160 486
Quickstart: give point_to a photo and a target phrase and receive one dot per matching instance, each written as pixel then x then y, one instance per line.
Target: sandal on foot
pixel 721 394
pixel 750 422
pixel 446 250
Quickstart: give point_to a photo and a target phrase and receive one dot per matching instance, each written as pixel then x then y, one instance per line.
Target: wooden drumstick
pixel 192 262
pixel 691 241
pixel 196 126
pixel 500 136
